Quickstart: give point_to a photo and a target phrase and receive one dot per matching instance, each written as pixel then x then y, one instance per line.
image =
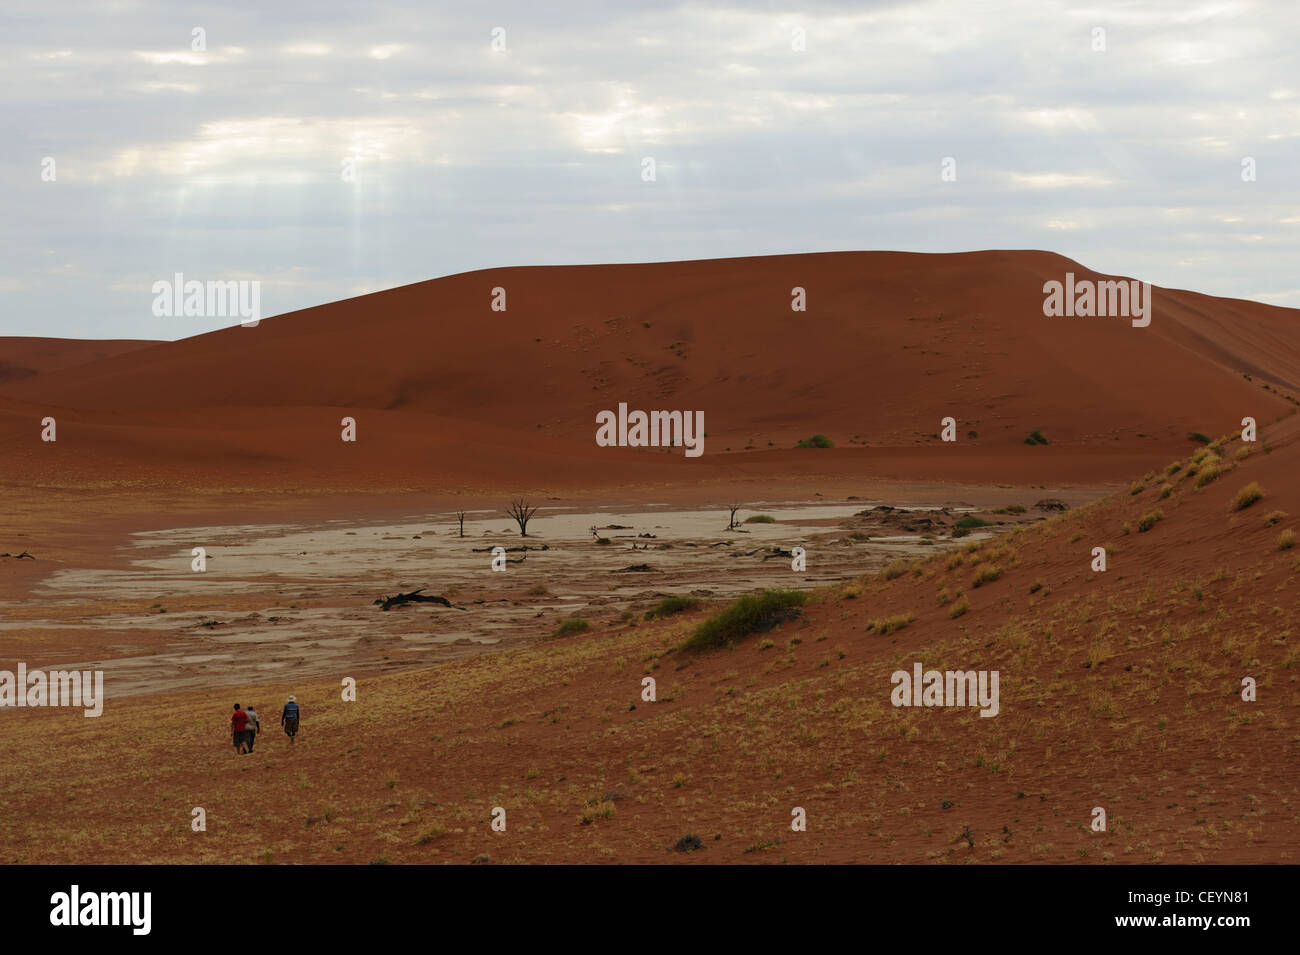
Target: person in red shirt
pixel 238 727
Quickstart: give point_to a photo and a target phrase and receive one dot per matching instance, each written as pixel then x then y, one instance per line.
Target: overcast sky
pixel 228 163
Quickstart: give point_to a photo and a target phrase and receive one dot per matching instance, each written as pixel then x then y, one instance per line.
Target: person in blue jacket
pixel 289 718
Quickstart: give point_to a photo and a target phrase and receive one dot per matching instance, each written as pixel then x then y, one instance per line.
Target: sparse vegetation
pixel 816 441
pixel 895 568
pixel 596 809
pixel 888 625
pixel 1247 496
pixel 671 605
pixel 688 843
pixel 986 574
pixel 1286 540
pixel 748 615
pixel 1036 437
pixel 760 519
pixel 429 834
pixel 1149 519
pixel 571 626
pixel 1208 470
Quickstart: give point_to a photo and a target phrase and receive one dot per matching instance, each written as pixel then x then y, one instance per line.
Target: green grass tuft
pixel 748 615
pixel 671 605
pixel 816 441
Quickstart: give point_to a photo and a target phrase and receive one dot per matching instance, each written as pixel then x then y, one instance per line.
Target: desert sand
pixel 1120 689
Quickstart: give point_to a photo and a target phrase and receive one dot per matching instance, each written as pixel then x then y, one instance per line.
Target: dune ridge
pixel 890 344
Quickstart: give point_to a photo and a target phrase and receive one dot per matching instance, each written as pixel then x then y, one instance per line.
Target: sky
pixel 327 149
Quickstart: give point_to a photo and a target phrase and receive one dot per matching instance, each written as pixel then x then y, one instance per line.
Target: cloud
pixel 307 49
pixel 1059 180
pixel 229 161
pixel 165 57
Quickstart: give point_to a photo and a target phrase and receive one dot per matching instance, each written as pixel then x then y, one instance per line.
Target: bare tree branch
pixel 522 512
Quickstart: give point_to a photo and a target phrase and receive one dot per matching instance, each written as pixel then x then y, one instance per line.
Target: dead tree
pixel 460 516
pixel 522 512
pixel 733 508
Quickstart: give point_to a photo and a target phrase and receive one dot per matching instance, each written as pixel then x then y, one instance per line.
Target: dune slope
pixel 890 344
pixel 1119 689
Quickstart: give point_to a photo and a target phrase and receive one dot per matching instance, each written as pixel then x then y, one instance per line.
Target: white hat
pixel 292 698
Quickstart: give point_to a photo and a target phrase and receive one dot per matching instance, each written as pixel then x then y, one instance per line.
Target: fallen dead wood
pixel 415 596
pixel 508 550
pixel 19 556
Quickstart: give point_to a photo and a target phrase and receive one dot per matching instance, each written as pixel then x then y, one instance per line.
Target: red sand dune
pixel 1121 689
pixel 25 357
pixel 446 390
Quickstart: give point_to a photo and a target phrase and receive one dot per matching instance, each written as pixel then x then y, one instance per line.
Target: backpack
pixel 291 711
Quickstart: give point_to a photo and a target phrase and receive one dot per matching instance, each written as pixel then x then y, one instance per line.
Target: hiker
pixel 289 718
pixel 239 729
pixel 254 726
